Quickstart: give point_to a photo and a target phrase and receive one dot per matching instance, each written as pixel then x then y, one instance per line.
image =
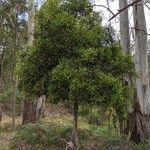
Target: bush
pixel 37 136
pixel 91 115
pixel 144 147
pixel 54 137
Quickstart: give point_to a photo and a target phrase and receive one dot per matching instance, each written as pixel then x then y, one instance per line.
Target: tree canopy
pixel 74 58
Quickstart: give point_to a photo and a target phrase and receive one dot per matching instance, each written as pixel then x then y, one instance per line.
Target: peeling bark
pixel 141 58
pixel 40 107
pixel 33 109
pixel 139 119
pixel 139 126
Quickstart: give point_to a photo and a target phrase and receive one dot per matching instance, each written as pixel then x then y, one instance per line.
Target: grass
pixel 6 132
pixel 91 135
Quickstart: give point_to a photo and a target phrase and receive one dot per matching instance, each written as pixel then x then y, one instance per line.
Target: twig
pixel 104 7
pixel 146 5
pixel 141 30
pixel 126 7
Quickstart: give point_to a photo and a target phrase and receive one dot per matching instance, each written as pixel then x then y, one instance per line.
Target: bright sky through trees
pixel 114 6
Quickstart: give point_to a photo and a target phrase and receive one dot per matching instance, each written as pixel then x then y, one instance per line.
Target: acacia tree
pixel 74 59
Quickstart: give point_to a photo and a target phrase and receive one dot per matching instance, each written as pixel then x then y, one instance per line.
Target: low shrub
pixel 37 136
pixel 54 137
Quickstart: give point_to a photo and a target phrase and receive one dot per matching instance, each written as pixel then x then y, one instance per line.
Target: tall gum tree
pixel 29 110
pixel 140 116
pixel 142 102
pixel 124 27
pixel 31 14
pixel 125 43
pixel 141 59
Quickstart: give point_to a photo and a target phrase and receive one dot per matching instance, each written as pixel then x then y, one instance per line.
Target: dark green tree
pixel 75 59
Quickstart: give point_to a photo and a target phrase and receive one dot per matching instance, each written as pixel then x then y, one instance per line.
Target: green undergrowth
pixel 55 136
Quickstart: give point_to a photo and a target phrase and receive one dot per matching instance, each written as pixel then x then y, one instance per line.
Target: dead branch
pixel 104 7
pixel 121 10
pixel 141 30
pixel 146 5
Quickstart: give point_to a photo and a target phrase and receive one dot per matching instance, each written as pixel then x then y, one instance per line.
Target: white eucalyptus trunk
pixel 139 118
pixel 124 27
pixel 31 14
pixel 141 58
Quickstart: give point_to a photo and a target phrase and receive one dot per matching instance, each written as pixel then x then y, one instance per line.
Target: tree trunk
pixel 14 69
pixel 124 27
pixel 140 117
pixel 40 107
pixel 30 20
pixel 1 67
pixel 125 43
pixel 14 103
pixel 29 112
pixel 1 115
pixel 138 124
pixel 33 109
pixel 141 58
pixel 75 136
pixel 30 106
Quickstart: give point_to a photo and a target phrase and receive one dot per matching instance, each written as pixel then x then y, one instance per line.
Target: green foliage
pixel 36 134
pixel 104 132
pixel 41 136
pixel 92 115
pixel 74 58
pixel 76 80
pixel 52 136
pixel 5 96
pixel 8 25
pixel 144 146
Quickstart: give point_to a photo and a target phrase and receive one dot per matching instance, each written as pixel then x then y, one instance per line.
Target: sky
pixel 114 6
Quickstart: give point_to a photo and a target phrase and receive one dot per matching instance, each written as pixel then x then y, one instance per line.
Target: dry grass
pixel 54 114
pixel 6 132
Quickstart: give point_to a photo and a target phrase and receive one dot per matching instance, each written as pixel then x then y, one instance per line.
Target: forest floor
pixel 6 133
pixel 53 114
pixel 60 116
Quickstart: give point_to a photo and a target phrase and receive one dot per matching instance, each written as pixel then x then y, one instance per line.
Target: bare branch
pixel 104 7
pixel 121 10
pixel 141 30
pixel 146 5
